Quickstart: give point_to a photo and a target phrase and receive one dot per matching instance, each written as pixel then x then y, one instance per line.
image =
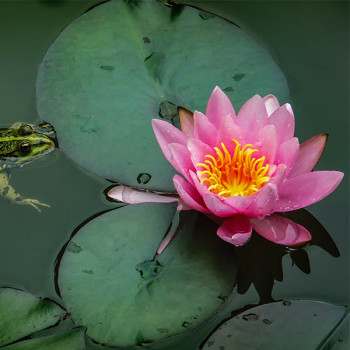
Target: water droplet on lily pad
pixel 250 317
pixel 205 15
pixel 228 89
pixel 144 178
pixel 74 248
pixel 239 76
pixel 108 68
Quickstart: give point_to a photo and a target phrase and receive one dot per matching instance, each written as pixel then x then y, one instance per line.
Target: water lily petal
pixel 202 190
pixel 229 130
pixel 204 130
pixel 189 194
pixel 305 189
pixel 131 195
pixel 279 174
pixel 272 169
pixel 267 143
pixel 252 117
pixel 186 121
pixel 166 134
pixel 181 159
pixel 309 153
pixel 217 207
pixel 281 230
pixel 218 106
pixel 263 202
pixel 239 203
pixel 198 150
pixel 235 230
pixel 283 120
pixel 271 104
pixel 287 153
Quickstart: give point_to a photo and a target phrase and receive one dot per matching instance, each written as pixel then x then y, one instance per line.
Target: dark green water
pixel 310 42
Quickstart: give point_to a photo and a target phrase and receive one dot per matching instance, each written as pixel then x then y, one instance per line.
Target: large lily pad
pixel 22 314
pixel 112 284
pixel 286 325
pixel 125 62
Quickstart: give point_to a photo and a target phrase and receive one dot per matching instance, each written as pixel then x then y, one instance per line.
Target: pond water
pixel 310 43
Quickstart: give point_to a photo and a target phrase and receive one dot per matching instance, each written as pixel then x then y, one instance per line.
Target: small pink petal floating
pixel 241 169
pixel 132 195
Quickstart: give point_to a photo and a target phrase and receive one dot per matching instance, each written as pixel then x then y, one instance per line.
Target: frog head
pixel 22 143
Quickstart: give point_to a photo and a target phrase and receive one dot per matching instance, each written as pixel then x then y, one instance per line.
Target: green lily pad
pixel 72 340
pixel 22 314
pixel 287 325
pixel 125 62
pixel 125 295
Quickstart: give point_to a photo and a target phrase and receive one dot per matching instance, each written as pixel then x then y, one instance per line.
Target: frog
pixel 20 144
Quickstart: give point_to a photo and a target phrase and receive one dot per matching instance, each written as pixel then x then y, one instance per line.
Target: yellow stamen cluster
pixel 233 175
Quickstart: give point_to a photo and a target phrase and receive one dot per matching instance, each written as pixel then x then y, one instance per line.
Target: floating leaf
pixel 124 62
pixel 125 295
pixel 72 340
pixel 22 314
pixel 303 324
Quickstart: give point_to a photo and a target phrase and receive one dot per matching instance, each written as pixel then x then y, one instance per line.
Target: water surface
pixel 309 40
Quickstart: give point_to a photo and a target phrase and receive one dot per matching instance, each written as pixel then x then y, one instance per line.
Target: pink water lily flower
pixel 242 169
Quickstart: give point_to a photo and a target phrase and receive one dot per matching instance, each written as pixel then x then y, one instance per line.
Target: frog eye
pixel 25 130
pixel 25 147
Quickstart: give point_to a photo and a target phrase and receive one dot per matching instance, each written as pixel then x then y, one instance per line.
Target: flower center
pixel 233 175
